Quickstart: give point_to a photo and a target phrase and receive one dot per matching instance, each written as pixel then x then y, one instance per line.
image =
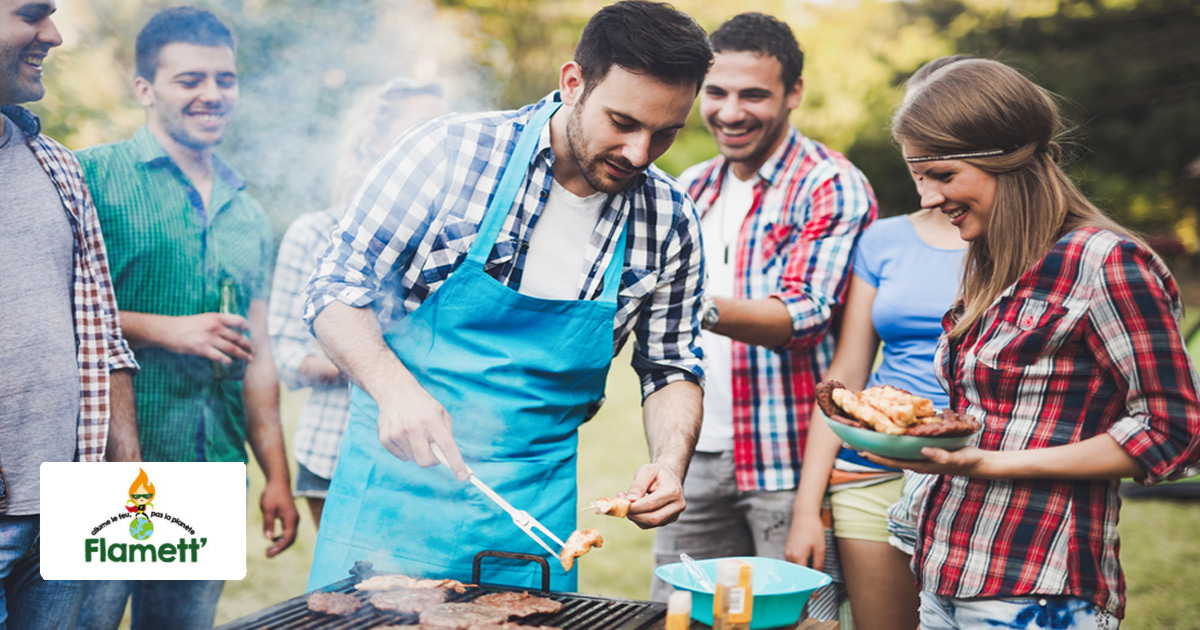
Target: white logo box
pixel 193 529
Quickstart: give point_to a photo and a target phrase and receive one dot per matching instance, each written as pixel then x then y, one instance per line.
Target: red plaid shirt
pixel 1087 342
pixel 101 348
pixel 796 244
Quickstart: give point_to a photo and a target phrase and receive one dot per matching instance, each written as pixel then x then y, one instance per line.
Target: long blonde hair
pixel 979 105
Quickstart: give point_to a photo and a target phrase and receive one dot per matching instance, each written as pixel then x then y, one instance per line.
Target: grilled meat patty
pixel 462 616
pixel 951 423
pixel 395 580
pixel 408 600
pixel 333 603
pixel 519 604
pixel 503 626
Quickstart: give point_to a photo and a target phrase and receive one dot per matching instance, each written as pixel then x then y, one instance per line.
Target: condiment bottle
pixel 733 602
pixel 229 305
pixel 679 610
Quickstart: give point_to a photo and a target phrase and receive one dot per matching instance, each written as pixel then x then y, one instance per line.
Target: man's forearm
pixel 353 340
pixel 263 430
pixel 317 370
pixel 260 395
pixel 411 421
pixel 143 330
pixel 123 444
pixel 672 418
pixel 764 322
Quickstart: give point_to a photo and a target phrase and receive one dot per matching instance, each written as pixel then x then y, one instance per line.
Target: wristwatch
pixel 709 314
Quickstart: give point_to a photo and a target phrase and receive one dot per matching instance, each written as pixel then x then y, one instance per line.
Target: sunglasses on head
pixel 141 496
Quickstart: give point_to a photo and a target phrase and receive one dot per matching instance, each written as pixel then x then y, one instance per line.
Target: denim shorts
pixel 308 484
pixel 1037 612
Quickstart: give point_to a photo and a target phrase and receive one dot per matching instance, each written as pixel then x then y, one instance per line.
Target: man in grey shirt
pixel 66 389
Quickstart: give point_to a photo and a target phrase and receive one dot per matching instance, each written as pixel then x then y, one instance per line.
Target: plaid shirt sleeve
pixel 1135 321
pixel 668 335
pixel 373 239
pixel 816 266
pixel 290 338
pixel 120 356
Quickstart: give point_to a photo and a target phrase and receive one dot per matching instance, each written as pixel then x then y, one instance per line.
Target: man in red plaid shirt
pixel 780 216
pixel 66 393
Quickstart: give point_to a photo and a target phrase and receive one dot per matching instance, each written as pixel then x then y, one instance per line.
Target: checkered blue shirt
pixel 417 213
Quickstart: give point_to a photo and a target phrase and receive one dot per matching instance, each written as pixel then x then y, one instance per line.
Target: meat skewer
pixel 610 506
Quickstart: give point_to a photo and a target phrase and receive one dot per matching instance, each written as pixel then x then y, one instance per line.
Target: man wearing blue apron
pixel 505 258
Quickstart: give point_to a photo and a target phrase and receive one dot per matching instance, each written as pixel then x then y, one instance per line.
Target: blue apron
pixel 517 375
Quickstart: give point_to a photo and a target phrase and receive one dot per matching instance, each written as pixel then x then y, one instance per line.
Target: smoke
pixel 300 62
pixel 301 66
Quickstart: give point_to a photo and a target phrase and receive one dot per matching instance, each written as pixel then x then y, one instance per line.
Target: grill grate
pixel 579 612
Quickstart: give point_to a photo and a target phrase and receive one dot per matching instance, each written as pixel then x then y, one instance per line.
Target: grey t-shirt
pixel 39 376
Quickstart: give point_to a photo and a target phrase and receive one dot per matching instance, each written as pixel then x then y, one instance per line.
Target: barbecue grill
pixel 579 612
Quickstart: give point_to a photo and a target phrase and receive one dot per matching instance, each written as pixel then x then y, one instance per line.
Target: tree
pixel 1129 76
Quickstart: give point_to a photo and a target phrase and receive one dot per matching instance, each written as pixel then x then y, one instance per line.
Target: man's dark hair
pixel 763 34
pixel 649 38
pixel 186 25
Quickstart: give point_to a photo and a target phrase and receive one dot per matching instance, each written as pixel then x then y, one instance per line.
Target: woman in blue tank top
pixel 906 273
pixel 905 278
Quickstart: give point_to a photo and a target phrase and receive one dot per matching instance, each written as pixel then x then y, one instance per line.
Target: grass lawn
pixel 1160 550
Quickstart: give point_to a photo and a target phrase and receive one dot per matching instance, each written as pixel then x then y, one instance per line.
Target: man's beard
pixel 592 167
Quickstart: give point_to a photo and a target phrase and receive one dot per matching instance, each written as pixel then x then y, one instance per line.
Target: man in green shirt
pixel 179 224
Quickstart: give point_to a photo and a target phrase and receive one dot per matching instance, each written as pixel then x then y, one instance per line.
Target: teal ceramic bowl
pixel 780 589
pixel 894 446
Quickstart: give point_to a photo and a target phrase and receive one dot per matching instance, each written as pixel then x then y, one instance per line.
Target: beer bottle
pixel 229 306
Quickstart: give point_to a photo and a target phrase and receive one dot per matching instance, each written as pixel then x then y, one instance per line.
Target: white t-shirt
pixel 720 226
pixel 554 265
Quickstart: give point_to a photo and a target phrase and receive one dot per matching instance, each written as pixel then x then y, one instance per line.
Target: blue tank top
pixel 916 284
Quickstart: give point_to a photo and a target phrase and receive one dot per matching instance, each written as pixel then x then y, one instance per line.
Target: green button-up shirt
pixel 167 257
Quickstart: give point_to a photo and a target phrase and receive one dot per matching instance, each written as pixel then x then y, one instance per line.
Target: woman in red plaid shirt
pixel 1065 345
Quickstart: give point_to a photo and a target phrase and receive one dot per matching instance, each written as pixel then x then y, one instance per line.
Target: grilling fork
pixel 520 518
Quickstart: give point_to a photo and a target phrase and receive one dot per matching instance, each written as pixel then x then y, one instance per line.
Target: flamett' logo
pixel 140 494
pixel 139 510
pixel 143 521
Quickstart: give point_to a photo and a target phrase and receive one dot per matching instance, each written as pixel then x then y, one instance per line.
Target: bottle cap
pixel 729 571
pixel 680 603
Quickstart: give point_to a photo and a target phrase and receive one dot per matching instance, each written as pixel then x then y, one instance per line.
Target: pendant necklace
pixel 725 226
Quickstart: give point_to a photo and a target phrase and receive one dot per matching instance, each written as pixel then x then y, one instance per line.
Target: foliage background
pixel 1128 72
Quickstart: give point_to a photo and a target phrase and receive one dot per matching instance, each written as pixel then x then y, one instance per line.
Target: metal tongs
pixel 520 518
